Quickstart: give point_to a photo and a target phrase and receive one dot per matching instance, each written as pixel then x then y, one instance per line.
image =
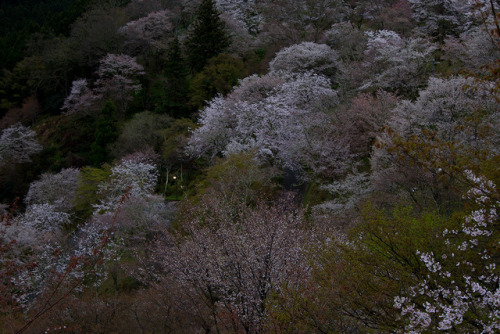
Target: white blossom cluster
pixel 397 60
pixel 18 144
pixel 84 255
pixel 81 97
pixel 461 290
pixel 283 116
pixel 307 56
pixel 347 193
pixel 58 189
pixel 458 14
pixel 128 178
pixel 444 107
pixel 118 76
pixel 245 12
pixel 474 48
pixel 38 225
pixel 117 81
pixel 240 260
pixel 60 267
pixel 153 30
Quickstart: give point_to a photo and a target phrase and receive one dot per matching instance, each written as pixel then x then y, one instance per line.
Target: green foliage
pixel 13 90
pixel 239 179
pixel 20 19
pixel 208 36
pixel 174 161
pixel 144 130
pixel 46 71
pixel 175 139
pixel 233 182
pixel 87 194
pixel 430 172
pixel 219 77
pixel 106 132
pixel 174 92
pixel 315 195
pixel 356 277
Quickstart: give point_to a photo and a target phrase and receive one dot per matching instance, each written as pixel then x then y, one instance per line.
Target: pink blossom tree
pixel 152 31
pixel 81 98
pixel 118 81
pixel 235 262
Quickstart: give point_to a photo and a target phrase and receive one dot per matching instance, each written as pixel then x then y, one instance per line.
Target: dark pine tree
pixel 106 132
pixel 208 38
pixel 176 72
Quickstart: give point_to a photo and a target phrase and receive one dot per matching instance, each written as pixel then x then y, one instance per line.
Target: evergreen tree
pixel 106 132
pixel 177 85
pixel 208 38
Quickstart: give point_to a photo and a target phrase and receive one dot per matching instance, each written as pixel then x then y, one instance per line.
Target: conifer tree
pixel 177 85
pixel 106 132
pixel 208 38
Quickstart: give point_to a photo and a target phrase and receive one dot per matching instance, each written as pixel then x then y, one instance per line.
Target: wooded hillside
pixel 257 166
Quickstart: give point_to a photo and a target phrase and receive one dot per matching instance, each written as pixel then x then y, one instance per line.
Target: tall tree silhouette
pixel 106 132
pixel 176 73
pixel 208 38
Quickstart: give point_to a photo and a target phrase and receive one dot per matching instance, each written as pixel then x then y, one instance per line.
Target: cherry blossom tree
pixel 307 56
pixel 397 62
pixel 18 144
pixel 474 49
pixel 80 99
pixel 64 268
pixel 242 41
pixel 460 291
pixel 288 126
pixel 152 30
pixel 39 225
pixel 235 262
pixel 135 177
pixel 244 12
pixel 58 189
pixel 118 81
pixel 444 107
pixel 347 192
pixel 439 18
pixel 452 118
